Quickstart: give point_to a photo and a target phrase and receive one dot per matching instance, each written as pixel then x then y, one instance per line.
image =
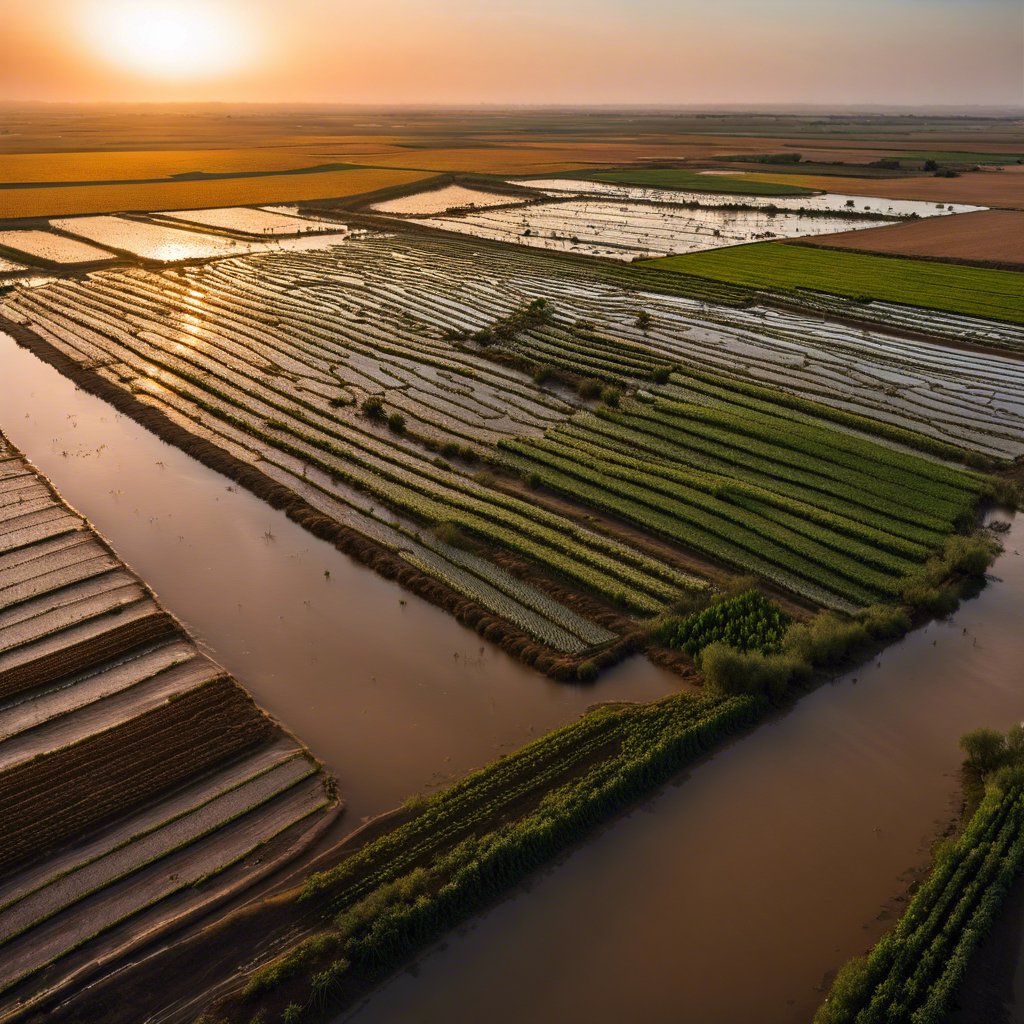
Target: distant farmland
pixel 683 178
pixel 973 291
pixel 989 236
pixel 59 200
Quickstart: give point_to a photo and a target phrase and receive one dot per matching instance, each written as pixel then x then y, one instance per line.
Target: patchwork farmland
pixel 711 481
pixel 139 784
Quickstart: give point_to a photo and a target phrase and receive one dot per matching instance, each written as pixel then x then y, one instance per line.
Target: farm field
pixel 610 419
pixel 162 243
pixel 368 396
pixel 1003 187
pixel 134 773
pixel 989 236
pixel 247 221
pixel 683 179
pixel 65 201
pixel 969 291
pixel 440 200
pixel 828 201
pixel 51 248
pixel 627 222
pixel 630 231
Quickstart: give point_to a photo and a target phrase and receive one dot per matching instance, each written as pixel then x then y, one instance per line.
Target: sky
pixel 893 52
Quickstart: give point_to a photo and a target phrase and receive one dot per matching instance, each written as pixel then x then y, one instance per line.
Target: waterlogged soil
pixel 735 895
pixel 390 692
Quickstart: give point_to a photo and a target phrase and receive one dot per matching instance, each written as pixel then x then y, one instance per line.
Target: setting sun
pixel 166 39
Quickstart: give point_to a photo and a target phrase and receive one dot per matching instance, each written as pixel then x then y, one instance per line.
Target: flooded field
pixel 250 221
pixel 783 853
pixel 826 201
pixel 152 241
pixel 440 200
pixel 45 245
pixel 390 692
pixel 626 230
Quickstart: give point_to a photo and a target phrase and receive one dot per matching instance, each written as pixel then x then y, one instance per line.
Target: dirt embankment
pixel 993 238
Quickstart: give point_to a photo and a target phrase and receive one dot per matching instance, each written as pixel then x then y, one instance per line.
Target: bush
pixel 586 672
pixel 611 396
pixel 396 423
pixel 644 320
pixel 661 374
pixel 735 673
pixel 985 749
pixel 589 388
pixel 373 406
pixel 885 622
pixel 541 372
pixel 826 640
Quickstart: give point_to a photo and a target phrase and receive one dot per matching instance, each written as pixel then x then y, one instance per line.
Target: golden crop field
pixel 179 195
pixel 120 166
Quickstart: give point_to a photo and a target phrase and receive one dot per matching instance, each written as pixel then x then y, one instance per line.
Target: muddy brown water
pixel 389 691
pixel 727 898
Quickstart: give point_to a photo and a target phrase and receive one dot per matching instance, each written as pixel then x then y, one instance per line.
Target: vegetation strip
pixel 912 974
pixel 786 267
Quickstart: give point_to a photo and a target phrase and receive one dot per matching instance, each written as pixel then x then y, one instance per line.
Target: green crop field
pixel 973 291
pixel 756 485
pixel 680 177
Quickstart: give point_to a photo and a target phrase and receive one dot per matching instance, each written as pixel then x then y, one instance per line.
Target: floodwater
pixel 389 691
pixel 730 897
pixel 152 241
pixel 440 200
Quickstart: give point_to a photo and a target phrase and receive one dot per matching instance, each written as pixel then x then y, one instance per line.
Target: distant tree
pixel 931 165
pixel 644 320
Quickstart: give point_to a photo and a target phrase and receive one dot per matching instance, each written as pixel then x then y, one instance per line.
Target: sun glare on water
pixel 170 38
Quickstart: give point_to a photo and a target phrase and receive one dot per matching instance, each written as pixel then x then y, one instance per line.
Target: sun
pixel 178 39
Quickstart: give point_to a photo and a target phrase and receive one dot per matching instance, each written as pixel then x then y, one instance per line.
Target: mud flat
pixel 139 783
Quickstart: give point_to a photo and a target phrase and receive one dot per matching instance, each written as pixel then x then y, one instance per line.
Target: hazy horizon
pixel 901 54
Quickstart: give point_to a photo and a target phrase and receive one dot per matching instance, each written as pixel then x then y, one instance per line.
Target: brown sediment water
pixel 389 691
pixel 732 896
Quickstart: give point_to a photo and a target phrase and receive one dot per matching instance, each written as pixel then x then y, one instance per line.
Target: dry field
pixel 138 782
pixel 990 236
pixel 179 195
pixel 999 188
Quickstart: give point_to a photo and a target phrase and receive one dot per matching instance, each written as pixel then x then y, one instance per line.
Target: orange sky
pixel 530 51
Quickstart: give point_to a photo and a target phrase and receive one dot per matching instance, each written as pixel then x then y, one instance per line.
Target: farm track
pixel 137 780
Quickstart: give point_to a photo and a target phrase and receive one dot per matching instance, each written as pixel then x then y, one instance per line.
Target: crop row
pixel 911 974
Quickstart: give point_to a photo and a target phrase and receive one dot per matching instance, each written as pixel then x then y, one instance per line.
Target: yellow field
pixel 183 195
pixel 119 166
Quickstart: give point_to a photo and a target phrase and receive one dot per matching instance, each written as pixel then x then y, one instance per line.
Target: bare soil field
pixel 990 236
pixel 1000 188
pixel 135 774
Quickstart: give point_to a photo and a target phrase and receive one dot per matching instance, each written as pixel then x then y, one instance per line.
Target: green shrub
pixel 396 423
pixel 611 396
pixel 373 406
pixel 589 388
pixel 586 672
